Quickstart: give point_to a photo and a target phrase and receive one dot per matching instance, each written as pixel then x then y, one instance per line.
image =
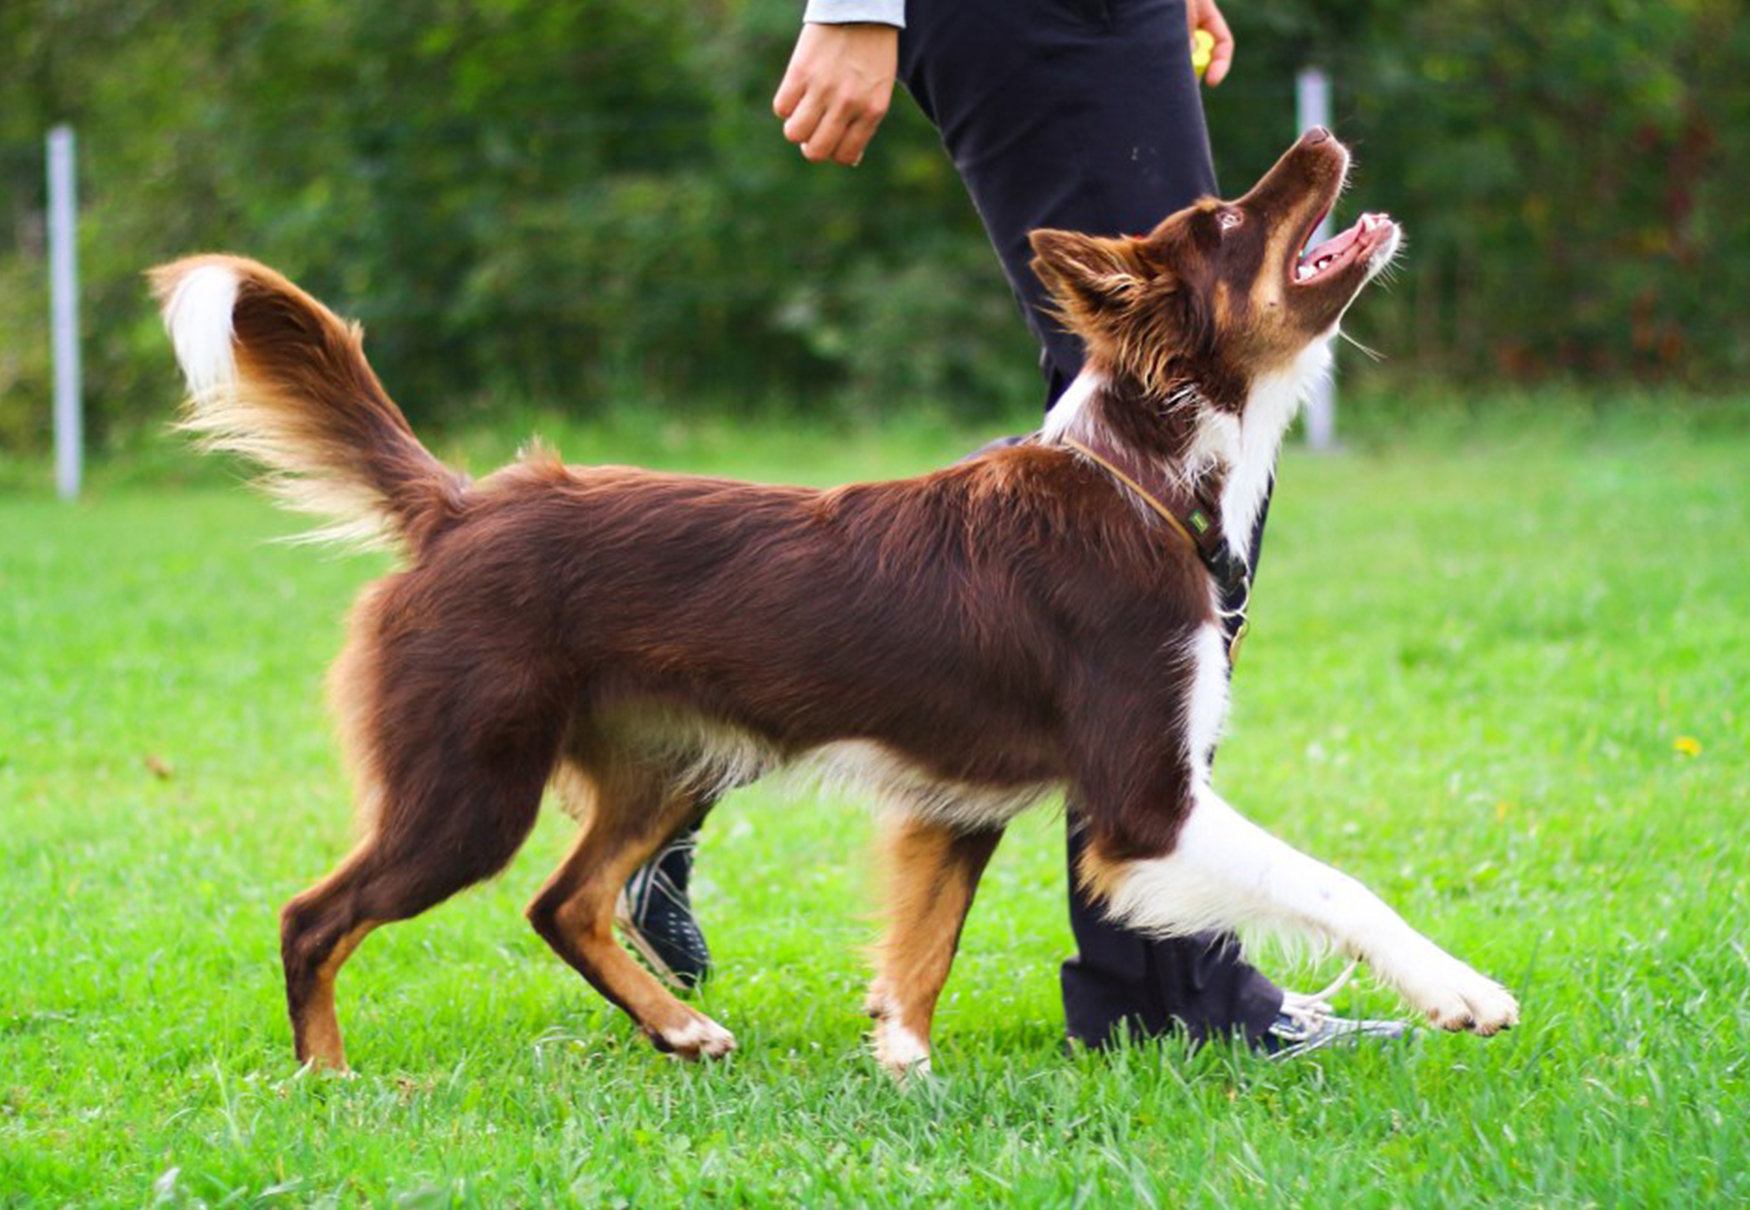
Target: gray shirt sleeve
pixel 843 12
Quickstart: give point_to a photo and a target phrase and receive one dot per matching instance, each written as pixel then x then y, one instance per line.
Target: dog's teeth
pixel 1324 262
pixel 1302 273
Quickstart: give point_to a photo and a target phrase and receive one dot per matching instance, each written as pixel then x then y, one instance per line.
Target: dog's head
pixel 1220 293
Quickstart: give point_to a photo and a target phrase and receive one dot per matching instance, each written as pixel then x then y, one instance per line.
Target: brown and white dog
pixel 965 642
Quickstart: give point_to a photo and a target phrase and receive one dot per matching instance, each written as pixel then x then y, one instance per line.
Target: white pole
pixel 64 312
pixel 1312 104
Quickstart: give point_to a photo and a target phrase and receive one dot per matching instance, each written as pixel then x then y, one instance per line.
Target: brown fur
pixel 1002 624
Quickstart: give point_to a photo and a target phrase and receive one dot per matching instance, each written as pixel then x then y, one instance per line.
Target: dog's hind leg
pixel 393 875
pixel 932 874
pixel 450 794
pixel 634 809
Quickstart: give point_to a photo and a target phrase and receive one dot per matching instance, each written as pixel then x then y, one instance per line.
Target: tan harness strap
pixel 1136 487
pixel 1171 518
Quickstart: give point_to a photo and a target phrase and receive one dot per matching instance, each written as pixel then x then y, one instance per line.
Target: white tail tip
pixel 198 317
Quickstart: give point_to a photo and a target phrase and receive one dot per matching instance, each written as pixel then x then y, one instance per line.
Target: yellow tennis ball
pixel 1202 51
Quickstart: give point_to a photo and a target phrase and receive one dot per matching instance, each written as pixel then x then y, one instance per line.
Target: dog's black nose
pixel 1316 134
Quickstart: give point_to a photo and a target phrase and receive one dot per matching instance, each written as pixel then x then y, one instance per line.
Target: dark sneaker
pixel 1306 1023
pixel 656 917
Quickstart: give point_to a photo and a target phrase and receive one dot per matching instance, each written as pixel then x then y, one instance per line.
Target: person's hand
pixel 837 89
pixel 1202 14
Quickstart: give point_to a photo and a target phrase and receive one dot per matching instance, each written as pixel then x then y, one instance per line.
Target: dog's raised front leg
pixel 1225 872
pixel 932 873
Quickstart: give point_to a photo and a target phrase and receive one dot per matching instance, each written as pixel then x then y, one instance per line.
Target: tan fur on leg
pixel 633 812
pixel 932 874
pixel 316 1030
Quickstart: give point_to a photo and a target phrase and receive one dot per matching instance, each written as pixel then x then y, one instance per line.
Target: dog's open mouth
pixel 1370 232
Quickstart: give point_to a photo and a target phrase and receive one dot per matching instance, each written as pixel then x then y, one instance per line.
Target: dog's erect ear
pixel 1089 274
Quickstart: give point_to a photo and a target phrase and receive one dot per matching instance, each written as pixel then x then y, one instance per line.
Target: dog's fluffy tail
pixel 279 378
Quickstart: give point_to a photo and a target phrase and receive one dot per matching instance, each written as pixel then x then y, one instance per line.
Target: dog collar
pixel 1199 523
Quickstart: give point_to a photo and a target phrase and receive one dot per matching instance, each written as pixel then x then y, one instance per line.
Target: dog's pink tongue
pixel 1328 253
pixel 1334 245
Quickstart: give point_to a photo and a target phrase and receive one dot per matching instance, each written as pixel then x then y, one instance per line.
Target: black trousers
pixel 1085 115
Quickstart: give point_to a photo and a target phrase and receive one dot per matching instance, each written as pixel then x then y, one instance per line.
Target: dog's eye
pixel 1229 218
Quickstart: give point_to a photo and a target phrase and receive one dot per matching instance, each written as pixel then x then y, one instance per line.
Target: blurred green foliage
pixel 589 202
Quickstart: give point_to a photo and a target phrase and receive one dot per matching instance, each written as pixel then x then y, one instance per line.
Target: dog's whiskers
pixel 1371 354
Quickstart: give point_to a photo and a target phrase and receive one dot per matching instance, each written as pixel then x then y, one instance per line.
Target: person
pixel 1076 114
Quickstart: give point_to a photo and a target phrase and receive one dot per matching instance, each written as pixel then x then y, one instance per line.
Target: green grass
pixel 1473 662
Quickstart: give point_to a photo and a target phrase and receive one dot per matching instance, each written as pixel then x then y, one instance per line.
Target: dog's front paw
pixel 1456 997
pixel 901 1053
pixel 699 1038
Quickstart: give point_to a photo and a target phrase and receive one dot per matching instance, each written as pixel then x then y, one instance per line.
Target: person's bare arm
pixel 837 89
pixel 1203 14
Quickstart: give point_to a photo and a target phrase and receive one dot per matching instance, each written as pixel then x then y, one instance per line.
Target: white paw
pixel 699 1038
pixel 900 1052
pixel 1456 997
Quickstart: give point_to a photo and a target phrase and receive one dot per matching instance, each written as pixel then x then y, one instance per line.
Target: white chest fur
pixel 1251 443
